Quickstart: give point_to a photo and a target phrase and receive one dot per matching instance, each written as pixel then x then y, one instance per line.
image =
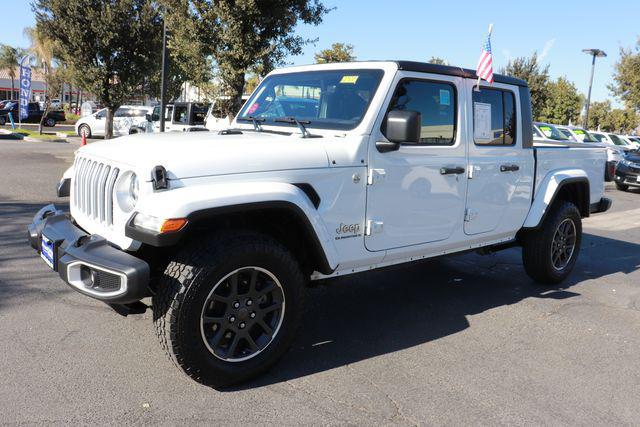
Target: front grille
pixel 93 184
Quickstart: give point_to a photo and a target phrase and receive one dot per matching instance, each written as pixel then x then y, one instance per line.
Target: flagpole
pixel 479 78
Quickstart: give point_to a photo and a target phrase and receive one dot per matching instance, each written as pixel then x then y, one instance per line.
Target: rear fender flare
pixel 547 191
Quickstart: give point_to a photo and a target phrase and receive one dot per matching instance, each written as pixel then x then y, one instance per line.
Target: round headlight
pixel 127 190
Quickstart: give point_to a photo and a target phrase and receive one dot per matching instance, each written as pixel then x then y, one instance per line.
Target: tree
pixel 537 77
pixel 626 77
pixel 241 35
pixel 42 49
pixel 599 115
pixel 563 102
pixel 9 58
pixel 339 52
pixel 438 61
pixel 110 46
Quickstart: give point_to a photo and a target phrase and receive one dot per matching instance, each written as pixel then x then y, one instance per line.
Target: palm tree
pixel 9 60
pixel 43 50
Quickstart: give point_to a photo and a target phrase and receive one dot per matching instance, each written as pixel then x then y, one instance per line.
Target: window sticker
pixel 546 130
pixel 482 121
pixel 349 79
pixel 445 97
pixel 253 108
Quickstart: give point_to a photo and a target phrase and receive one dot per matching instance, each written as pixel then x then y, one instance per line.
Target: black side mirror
pixel 401 127
pixel 148 117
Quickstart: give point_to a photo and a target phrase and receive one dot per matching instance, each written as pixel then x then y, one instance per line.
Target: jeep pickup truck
pixel 327 170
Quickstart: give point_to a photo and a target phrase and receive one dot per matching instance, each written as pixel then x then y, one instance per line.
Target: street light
pixel 594 53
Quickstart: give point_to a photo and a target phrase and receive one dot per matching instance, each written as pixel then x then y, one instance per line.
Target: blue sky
pixel 455 30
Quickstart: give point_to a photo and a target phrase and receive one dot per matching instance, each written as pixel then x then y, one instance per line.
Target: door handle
pixel 509 168
pixel 452 171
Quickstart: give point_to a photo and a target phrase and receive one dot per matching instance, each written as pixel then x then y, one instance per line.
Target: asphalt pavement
pixel 462 340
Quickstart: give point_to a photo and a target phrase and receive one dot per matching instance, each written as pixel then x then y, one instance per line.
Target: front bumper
pixel 627 175
pixel 88 263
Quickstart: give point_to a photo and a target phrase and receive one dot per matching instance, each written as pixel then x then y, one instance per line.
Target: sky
pixel 455 31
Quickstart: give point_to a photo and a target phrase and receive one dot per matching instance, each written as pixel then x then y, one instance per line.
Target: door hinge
pixel 470 214
pixel 375 175
pixel 373 227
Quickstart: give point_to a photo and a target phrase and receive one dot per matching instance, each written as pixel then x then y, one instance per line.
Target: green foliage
pixel 563 102
pixel 241 35
pixel 535 75
pixel 617 120
pixel 339 52
pixel 111 47
pixel 438 61
pixel 9 60
pixel 626 77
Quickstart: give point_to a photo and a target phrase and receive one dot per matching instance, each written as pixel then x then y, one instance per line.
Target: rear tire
pixel 195 313
pixel 549 254
pixel 622 187
pixel 50 122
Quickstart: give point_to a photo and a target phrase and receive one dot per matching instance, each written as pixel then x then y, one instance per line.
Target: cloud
pixel 547 48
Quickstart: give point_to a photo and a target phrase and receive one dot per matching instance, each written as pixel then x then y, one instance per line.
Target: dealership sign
pixel 25 87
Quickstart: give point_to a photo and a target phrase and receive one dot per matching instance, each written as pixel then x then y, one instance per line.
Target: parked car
pixel 628 172
pixel 126 119
pixel 179 117
pixel 611 139
pixel 614 153
pixel 549 131
pixel 634 143
pixel 395 163
pixel 35 114
pixel 3 104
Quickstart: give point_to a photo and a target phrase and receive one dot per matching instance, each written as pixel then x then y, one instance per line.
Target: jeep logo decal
pixel 348 228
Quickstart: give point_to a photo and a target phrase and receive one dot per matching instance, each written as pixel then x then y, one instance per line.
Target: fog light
pixel 88 276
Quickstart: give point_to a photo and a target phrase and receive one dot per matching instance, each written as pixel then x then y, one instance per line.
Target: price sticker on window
pixel 349 79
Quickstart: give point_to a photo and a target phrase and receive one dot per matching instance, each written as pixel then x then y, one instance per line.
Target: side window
pixel 180 114
pixel 494 117
pixel 436 102
pixel 121 112
pixel 169 113
pixel 101 114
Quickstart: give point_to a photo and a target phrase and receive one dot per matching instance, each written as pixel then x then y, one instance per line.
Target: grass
pixel 35 134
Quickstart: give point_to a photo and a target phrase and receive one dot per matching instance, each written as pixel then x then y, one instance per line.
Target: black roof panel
pixel 424 67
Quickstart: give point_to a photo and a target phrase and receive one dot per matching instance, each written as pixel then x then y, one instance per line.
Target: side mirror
pixel 401 127
pixel 148 117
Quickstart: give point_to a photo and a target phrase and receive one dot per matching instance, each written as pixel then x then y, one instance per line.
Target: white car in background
pixel 216 120
pixel 127 119
pixel 633 141
pixel 611 139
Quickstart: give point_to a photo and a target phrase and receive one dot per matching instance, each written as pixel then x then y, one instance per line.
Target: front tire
pixel 228 306
pixel 84 130
pixel 49 122
pixel 549 254
pixel 622 187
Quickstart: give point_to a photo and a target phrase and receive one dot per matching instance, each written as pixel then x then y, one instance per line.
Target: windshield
pixel 583 135
pixel 332 99
pixel 552 132
pixel 616 140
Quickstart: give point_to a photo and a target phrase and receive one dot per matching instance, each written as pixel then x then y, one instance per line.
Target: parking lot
pixel 448 341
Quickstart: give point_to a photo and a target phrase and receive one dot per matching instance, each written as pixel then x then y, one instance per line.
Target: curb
pixel 33 139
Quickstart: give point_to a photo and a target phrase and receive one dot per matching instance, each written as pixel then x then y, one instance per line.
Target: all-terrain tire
pixel 188 282
pixel 622 187
pixel 537 250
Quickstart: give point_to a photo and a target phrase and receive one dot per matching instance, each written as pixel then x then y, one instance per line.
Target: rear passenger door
pixel 500 171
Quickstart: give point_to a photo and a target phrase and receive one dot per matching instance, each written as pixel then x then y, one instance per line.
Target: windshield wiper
pixel 299 123
pixel 255 120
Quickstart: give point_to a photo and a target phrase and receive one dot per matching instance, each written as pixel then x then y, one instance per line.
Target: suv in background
pixel 179 116
pixel 127 119
pixel 628 172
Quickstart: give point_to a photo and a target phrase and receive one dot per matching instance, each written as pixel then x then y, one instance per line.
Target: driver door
pixel 416 194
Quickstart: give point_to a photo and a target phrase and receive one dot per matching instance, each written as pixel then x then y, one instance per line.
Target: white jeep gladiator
pixel 327 170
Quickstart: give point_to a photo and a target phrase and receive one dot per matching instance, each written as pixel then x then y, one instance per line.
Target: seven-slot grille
pixel 93 184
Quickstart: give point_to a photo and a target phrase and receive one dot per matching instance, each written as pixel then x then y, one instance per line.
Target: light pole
pixel 594 53
pixel 163 76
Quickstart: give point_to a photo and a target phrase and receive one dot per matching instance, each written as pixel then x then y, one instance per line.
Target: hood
pixel 193 154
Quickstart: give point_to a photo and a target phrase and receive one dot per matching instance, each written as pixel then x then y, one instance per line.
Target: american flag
pixel 485 65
